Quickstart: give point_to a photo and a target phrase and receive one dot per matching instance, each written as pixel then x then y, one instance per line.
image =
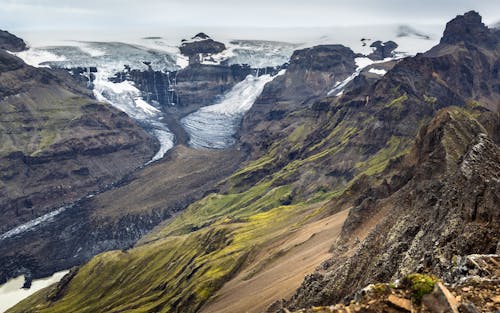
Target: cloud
pixel 95 14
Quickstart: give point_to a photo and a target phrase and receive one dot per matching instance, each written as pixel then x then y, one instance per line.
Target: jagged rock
pixel 440 300
pixel 382 50
pixel 11 42
pixel 200 46
pixel 468 28
pixel 400 303
pixel 57 291
pixel 468 307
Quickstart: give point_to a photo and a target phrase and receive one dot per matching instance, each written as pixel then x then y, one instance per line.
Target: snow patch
pixel 361 63
pixel 377 71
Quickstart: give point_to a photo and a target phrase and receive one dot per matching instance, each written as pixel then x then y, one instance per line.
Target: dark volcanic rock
pixel 188 89
pixel 10 42
pixel 311 73
pixel 199 46
pixel 468 28
pixel 447 209
pixel 382 50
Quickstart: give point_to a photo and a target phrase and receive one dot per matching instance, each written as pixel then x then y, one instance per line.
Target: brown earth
pixel 285 263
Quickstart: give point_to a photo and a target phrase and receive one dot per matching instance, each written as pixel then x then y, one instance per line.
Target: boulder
pixel 440 300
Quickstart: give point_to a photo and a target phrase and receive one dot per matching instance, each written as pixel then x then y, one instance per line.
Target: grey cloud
pixel 95 14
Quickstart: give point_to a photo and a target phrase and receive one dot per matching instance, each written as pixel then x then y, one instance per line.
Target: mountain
pixel 389 175
pixel 116 213
pixel 10 42
pixel 442 210
pixel 58 142
pixel 58 145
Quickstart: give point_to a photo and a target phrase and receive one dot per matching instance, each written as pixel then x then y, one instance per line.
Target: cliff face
pixel 447 209
pixel 188 89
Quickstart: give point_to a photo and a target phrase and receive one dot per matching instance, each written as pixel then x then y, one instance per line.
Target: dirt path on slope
pixel 305 249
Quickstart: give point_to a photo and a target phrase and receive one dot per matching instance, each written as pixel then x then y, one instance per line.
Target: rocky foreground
pixel 477 289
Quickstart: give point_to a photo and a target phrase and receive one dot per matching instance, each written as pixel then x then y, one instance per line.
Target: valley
pixel 234 187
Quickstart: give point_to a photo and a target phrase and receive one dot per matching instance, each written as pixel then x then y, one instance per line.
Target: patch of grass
pixel 397 105
pixel 420 285
pixel 395 147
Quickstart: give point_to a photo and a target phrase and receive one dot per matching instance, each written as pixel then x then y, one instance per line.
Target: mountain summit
pixel 469 28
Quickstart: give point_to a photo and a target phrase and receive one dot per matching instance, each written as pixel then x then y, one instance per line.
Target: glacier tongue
pixel 126 97
pixel 109 59
pixel 214 126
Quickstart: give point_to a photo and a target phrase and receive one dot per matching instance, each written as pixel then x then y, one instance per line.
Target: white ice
pixel 36 56
pixel 109 59
pixel 361 63
pixel 378 71
pixel 214 126
pixel 12 292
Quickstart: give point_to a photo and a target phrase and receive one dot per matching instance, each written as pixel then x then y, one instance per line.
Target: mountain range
pixel 346 171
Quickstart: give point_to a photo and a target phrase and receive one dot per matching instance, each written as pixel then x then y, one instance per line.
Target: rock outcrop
pixel 469 28
pixel 10 42
pixel 446 209
pixel 200 47
pixel 382 50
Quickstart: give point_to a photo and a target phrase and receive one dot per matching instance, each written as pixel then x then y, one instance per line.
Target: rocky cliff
pixel 10 42
pixel 188 89
pixel 429 209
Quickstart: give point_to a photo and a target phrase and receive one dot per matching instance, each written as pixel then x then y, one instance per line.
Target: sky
pixel 151 14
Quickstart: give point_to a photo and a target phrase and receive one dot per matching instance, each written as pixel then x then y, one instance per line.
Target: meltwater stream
pixel 214 126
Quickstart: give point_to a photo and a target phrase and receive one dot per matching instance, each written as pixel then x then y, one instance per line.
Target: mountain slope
pixel 57 142
pixel 446 210
pixel 311 156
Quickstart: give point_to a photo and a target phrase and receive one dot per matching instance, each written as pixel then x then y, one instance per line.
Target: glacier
pixel 214 126
pixel 110 58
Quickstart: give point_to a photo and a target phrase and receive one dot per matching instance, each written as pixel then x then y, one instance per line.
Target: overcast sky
pixel 102 14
